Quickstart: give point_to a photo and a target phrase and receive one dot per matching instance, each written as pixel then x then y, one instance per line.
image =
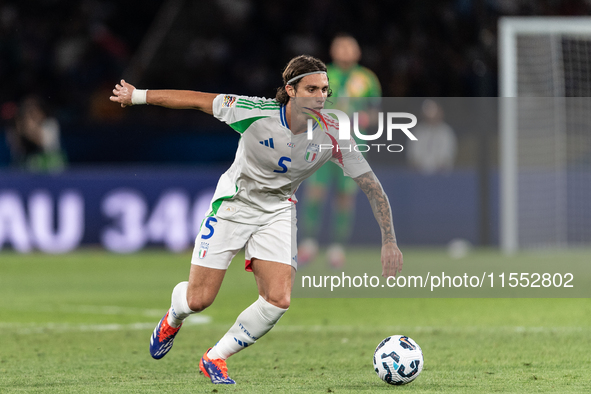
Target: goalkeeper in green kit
pixel 347 79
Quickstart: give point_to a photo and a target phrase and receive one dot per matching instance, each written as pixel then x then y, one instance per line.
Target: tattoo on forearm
pixel 379 204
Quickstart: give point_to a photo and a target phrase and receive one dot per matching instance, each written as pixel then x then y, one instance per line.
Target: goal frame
pixel 509 28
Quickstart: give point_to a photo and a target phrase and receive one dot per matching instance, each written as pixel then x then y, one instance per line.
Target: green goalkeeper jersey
pixel 349 87
pixel 355 82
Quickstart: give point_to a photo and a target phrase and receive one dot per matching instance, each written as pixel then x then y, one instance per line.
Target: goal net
pixel 545 136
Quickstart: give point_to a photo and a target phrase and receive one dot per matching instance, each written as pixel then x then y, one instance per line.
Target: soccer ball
pixel 398 360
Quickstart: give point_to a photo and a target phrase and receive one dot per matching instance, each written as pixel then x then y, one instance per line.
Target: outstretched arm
pixel 391 255
pixel 175 99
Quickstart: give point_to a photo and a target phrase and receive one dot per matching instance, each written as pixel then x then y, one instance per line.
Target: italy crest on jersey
pixel 311 152
pixel 203 249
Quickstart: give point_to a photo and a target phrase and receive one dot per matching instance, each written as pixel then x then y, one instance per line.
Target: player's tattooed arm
pixel 380 205
pixel 391 255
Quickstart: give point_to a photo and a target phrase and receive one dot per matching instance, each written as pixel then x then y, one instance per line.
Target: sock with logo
pixel 254 322
pixel 179 308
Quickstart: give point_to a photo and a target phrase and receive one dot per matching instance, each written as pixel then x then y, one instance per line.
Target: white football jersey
pixel 271 162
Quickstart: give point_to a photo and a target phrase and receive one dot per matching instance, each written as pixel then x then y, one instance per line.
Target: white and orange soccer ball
pixel 398 360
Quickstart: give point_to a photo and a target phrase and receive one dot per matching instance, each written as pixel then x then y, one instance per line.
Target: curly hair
pixel 297 66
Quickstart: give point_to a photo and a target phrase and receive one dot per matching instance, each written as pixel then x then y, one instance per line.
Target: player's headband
pixel 304 75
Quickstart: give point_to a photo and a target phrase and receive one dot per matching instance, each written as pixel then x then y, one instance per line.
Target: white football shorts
pixel 219 240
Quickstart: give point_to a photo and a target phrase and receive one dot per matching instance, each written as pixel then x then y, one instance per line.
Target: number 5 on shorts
pixel 209 226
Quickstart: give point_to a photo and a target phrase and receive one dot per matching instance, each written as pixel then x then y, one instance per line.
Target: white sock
pixel 179 308
pixel 254 322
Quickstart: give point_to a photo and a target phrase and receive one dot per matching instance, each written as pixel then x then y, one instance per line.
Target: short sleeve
pixel 239 112
pixel 224 107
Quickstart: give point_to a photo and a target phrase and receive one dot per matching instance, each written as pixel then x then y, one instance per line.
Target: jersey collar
pixel 283 118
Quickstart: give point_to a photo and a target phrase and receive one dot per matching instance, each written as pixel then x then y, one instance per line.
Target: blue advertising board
pixel 126 210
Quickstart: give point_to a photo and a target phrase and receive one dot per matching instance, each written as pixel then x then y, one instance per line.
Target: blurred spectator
pixel 436 146
pixel 34 139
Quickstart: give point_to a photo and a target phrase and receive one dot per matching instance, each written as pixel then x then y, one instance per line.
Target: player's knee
pixel 279 300
pixel 198 304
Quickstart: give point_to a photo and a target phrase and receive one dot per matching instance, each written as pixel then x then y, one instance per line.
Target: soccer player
pixel 347 79
pixel 254 203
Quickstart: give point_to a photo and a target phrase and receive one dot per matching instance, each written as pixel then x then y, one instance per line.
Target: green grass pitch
pixel 80 323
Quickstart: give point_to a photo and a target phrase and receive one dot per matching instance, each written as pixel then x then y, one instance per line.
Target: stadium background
pixel 71 54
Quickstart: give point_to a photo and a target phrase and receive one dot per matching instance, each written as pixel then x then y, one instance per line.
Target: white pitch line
pixel 198 319
pixel 35 328
pixel 112 310
pixel 95 310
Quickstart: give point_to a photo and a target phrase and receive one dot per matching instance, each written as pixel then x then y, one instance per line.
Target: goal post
pixel 545 131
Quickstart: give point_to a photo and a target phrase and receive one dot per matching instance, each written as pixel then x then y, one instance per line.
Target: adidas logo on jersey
pixel 268 143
